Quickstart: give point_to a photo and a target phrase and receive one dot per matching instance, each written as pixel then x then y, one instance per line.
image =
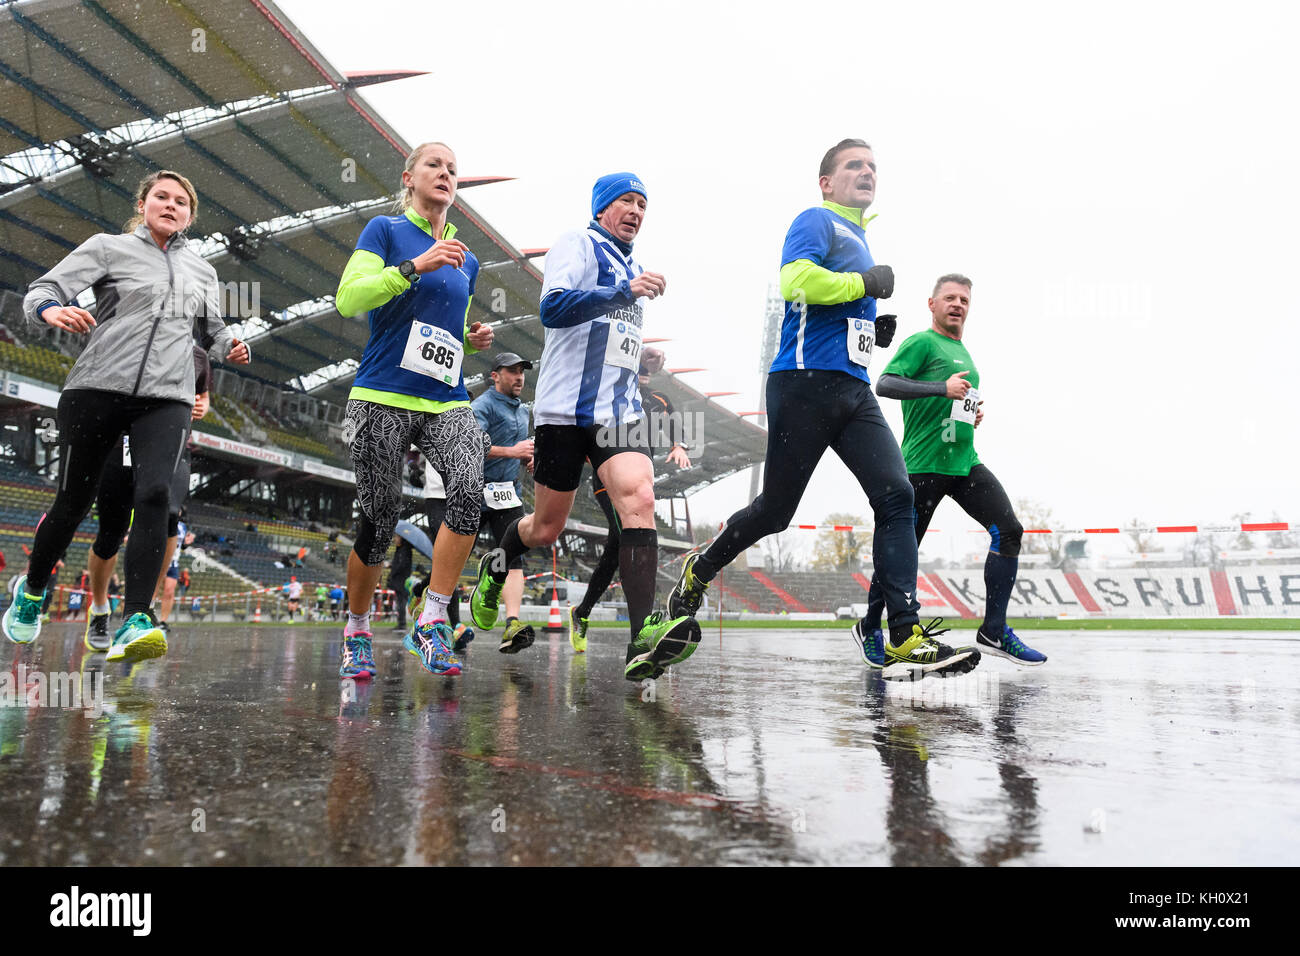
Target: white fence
pixel 1247 591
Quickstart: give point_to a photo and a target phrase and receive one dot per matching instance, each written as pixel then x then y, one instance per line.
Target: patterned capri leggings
pixel 380 438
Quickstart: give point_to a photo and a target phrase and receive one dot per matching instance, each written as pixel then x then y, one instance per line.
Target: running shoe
pixel 667 642
pixel 921 655
pixel 22 620
pixel 1010 647
pixel 487 592
pixel 518 635
pixel 577 631
pixel 358 660
pixel 138 639
pixel 688 592
pixel 431 643
pixel 463 636
pixel 871 647
pixel 416 604
pixel 97 637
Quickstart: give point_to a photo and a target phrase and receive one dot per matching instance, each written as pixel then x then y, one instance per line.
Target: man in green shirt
pixel 936 379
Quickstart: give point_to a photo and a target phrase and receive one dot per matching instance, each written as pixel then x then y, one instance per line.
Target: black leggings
pixel 115 498
pixel 605 568
pixel 982 497
pixel 91 425
pixel 808 412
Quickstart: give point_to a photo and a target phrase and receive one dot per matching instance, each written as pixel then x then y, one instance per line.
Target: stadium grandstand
pixel 290 161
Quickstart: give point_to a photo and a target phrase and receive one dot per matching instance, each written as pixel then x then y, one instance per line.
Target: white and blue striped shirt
pixel 586 299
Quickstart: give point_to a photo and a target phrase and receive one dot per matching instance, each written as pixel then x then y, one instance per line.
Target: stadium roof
pixel 289 162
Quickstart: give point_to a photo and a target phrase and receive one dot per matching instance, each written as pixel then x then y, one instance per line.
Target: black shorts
pixel 559 451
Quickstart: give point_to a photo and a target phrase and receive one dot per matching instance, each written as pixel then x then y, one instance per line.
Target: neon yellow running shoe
pixel 485 600
pixel 921 655
pixel 666 643
pixel 577 631
pixel 688 592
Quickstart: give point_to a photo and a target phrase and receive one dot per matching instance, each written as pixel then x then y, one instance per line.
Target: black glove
pixel 879 282
pixel 885 326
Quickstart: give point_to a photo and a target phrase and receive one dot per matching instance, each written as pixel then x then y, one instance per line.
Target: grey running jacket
pixel 149 305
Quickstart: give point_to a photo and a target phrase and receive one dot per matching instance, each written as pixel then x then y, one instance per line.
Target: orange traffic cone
pixel 257 613
pixel 554 623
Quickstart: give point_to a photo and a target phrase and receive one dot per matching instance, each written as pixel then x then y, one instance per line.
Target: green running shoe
pixel 688 592
pixel 518 635
pixel 415 606
pixel 921 655
pixel 97 637
pixel 665 643
pixel 138 639
pixel 22 621
pixel 577 631
pixel 484 600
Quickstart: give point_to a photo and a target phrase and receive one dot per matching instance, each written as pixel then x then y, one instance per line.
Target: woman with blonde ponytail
pixel 414 281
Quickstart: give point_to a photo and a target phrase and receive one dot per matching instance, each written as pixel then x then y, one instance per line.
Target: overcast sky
pixel 1111 175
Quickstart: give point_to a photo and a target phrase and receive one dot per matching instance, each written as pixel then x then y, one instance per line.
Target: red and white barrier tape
pixel 1153 529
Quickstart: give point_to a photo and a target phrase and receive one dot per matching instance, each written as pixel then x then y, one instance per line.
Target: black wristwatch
pixel 407 269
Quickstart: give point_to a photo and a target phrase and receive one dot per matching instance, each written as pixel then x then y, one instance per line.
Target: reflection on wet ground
pixel 243 747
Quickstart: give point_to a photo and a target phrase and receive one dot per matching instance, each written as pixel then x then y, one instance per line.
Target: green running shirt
pixel 934 442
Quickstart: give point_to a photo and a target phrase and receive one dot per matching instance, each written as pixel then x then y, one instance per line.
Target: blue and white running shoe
pixel 1009 647
pixel 871 647
pixel 358 661
pixel 432 644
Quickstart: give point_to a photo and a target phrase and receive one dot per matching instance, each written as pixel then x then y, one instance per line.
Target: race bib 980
pixel 433 352
pixel 500 495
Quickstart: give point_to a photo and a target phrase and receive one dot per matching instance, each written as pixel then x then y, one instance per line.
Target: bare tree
pixel 1283 539
pixel 704 530
pixel 1242 541
pixel 780 552
pixel 1033 514
pixel 1142 541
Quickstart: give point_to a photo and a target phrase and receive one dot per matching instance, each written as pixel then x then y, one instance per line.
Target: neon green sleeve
pixel 367 284
pixel 805 281
pixel 469 349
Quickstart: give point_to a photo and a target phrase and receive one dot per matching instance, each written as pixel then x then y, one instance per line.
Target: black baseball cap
pixel 508 359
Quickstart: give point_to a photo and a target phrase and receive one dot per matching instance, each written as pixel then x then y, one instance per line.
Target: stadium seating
pixel 36 362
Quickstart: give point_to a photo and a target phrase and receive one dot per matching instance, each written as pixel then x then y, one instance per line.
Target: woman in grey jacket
pixel 135 378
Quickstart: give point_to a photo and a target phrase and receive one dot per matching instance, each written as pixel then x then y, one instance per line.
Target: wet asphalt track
pixel 242 747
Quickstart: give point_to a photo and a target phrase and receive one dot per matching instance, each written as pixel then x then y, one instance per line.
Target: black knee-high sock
pixel 514 547
pixel 638 558
pixel 604 573
pixel 999 577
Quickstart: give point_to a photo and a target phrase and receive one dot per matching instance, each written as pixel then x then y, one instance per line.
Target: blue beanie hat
pixel 608 188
